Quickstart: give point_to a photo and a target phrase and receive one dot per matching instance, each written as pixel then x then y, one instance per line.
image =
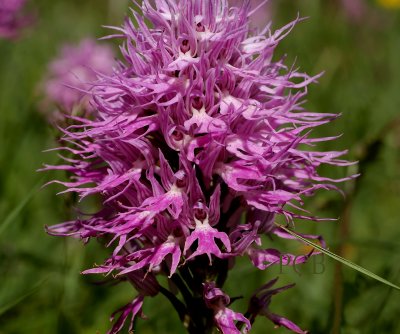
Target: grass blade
pixel 16 301
pixel 14 213
pixel 339 258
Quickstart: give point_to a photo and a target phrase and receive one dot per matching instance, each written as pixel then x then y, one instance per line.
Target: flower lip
pixel 214 297
pixel 181 183
pixel 185 46
pixel 200 27
pixel 200 211
pixel 177 232
pixel 197 102
pixel 177 135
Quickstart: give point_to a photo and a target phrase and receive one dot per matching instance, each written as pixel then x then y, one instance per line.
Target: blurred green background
pixel 41 290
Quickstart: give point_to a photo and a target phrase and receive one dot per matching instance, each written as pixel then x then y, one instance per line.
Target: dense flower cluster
pixel 11 18
pixel 72 72
pixel 199 140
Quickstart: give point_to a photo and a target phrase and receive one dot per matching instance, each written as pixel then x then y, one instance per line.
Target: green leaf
pixel 14 213
pixel 339 258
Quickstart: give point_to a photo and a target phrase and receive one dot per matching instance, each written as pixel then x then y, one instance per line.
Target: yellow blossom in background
pixel 389 3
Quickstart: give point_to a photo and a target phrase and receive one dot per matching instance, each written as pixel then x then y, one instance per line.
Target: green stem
pixel 176 303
